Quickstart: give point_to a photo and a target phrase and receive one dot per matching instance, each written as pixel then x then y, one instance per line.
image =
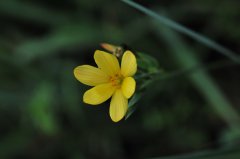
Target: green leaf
pixel 132 104
pixel 40 109
pixel 147 62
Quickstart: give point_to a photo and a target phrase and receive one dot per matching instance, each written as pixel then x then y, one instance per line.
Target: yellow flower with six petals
pixel 109 80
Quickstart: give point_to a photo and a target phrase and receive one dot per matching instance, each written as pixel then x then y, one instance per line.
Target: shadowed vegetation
pixel 186 106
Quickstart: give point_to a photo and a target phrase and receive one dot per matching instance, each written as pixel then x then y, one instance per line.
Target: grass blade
pixel 202 81
pixel 222 153
pixel 178 27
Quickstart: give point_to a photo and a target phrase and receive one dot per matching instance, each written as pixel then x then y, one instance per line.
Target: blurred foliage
pixel 42 113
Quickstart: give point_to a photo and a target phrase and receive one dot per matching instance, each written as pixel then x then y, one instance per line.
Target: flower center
pixel 116 80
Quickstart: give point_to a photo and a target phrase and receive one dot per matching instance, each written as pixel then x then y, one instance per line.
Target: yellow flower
pixel 109 80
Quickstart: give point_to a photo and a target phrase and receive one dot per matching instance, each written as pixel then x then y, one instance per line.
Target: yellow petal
pixel 90 75
pixel 107 62
pixel 129 64
pixel 98 94
pixel 128 87
pixel 118 106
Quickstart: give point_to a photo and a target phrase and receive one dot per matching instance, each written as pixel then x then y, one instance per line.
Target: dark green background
pixel 41 111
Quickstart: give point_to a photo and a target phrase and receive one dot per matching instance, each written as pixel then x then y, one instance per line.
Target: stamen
pixel 116 80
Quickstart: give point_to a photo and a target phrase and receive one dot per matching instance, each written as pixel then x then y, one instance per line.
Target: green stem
pixel 159 75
